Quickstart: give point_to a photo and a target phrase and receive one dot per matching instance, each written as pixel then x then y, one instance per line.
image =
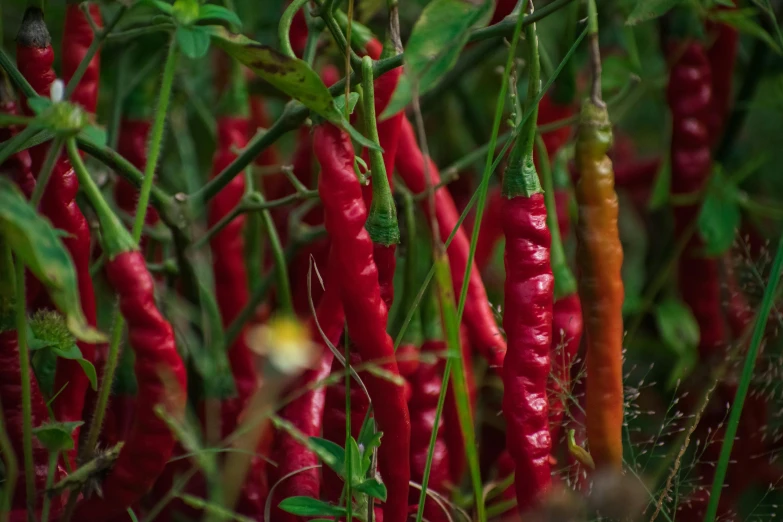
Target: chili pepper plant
pixel 432 260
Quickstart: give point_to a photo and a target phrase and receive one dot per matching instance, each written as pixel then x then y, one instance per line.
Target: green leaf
pixel 677 325
pixel 39 104
pixel 193 40
pixel 353 99
pixel 290 75
pixel 35 243
pixel 94 134
pixel 185 12
pixel 56 436
pixel 661 187
pixel 336 461
pixel 649 9
pixel 218 12
pixel 437 39
pixel 719 217
pixel 356 474
pixel 372 488
pixel 89 371
pixel 745 21
pixel 307 506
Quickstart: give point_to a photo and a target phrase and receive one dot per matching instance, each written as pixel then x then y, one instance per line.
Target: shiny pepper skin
pixel 11 395
pixel 527 320
pixel 600 258
pixel 306 412
pixel 34 57
pixel 77 37
pixel 566 335
pixel 161 379
pixel 425 389
pixel 365 312
pixel 484 333
pixel 231 289
pixel 690 99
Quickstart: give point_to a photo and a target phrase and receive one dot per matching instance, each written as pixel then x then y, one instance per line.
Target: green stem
pixel 128 34
pixel 565 283
pixel 483 187
pixel 156 139
pixel 97 40
pixel 12 146
pixel 349 478
pixel 11 469
pixel 24 376
pixel 314 29
pixel 253 235
pixel 285 26
pixel 744 384
pixel 506 27
pixel 521 178
pixel 46 171
pixel 16 77
pixel 47 501
pixel 382 220
pixel 284 300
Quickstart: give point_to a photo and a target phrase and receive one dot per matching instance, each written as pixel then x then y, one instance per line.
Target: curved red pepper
pixel 425 389
pixel 34 57
pixel 161 379
pixel 690 101
pixel 722 56
pixel 365 312
pixel 307 411
pixel 11 393
pixel 77 38
pixel 484 333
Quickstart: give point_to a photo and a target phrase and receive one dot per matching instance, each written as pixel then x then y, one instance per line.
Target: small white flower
pixel 286 342
pixel 57 91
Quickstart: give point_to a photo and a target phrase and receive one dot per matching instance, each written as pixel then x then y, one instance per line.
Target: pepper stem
pixel 595 54
pixel 565 282
pixel 115 238
pixel 382 220
pixel 521 178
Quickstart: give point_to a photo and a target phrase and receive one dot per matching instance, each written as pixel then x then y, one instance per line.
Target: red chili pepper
pixel 690 101
pixel 365 312
pixel 18 166
pixel 11 392
pixel 34 57
pixel 503 8
pixel 566 335
pixel 484 333
pixel 150 442
pixel 307 412
pixel 77 38
pixel 722 55
pixel 527 311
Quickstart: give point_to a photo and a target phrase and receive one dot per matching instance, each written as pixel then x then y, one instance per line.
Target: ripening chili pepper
pixel 600 257
pixel 306 412
pixel 566 311
pixel 382 216
pixel 365 312
pixel 425 390
pixel 77 37
pixel 159 370
pixel 484 333
pixel 527 311
pixel 690 101
pixel 17 166
pixel 11 393
pixel 722 55
pixel 34 57
pixel 503 8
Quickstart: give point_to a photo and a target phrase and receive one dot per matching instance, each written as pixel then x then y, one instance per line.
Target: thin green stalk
pixel 506 26
pixel 285 302
pixel 744 384
pixel 314 29
pixel 10 147
pixel 24 375
pixel 46 171
pixel 97 40
pixel 47 501
pixel 483 187
pixel 156 139
pixel 284 27
pixel 348 476
pixel 565 283
pixel 11 471
pixel 253 233
pixel 16 77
